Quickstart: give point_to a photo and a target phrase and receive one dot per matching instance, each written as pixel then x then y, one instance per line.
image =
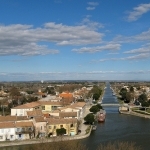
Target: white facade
pixel 20 112
pixel 7 134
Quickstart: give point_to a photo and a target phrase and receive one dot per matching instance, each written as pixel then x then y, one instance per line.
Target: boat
pixel 94 127
pixel 101 115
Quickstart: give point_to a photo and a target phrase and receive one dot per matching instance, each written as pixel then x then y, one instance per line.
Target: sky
pixel 74 40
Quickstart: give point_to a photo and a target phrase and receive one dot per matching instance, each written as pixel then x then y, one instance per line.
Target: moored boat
pixel 101 115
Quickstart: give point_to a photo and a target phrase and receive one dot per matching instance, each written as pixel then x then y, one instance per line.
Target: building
pixel 21 110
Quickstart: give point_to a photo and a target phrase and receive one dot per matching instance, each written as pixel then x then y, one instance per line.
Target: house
pixel 54 113
pixel 34 113
pixel 48 106
pixel 7 131
pixel 67 98
pixel 67 115
pixel 81 106
pixel 70 125
pixel 40 126
pixel 71 109
pixel 24 130
pixel 21 110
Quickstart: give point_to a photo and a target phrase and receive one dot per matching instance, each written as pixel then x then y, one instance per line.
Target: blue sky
pixel 74 40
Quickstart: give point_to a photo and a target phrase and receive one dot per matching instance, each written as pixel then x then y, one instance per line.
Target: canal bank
pixel 119 128
pixel 85 132
pixel 135 114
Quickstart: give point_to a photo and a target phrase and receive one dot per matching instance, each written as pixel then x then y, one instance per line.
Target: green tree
pixel 123 93
pixel 142 97
pixel 89 118
pixel 61 131
pixel 96 96
pixel 99 106
pixel 94 109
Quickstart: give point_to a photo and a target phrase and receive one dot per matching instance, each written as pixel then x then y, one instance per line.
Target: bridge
pixel 110 104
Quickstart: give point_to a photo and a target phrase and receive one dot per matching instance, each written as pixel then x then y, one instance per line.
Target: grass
pixel 88 129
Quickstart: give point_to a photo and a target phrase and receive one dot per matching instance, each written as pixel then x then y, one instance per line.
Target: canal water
pixel 117 127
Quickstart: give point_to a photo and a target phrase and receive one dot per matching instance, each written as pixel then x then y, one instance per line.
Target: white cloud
pixel 20 39
pixel 91 24
pixel 141 37
pixel 138 12
pixel 92 5
pixel 90 8
pixel 137 57
pixel 97 48
pixel 139 50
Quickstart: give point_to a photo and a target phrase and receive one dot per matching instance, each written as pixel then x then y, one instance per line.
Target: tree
pixel 128 97
pixel 89 118
pixel 142 98
pixel 94 109
pixel 96 92
pixel 14 92
pixel 96 96
pixel 99 106
pixel 61 131
pixel 131 89
pixel 123 93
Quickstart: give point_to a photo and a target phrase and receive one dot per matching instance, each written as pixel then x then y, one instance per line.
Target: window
pixel 71 125
pixel 54 127
pixel 18 129
pixel 43 107
pixel 11 136
pixel 19 135
pixel 41 127
pixel 1 137
pixel 50 127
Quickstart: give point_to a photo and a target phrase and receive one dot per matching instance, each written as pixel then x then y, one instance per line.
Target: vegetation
pixel 61 131
pixel 89 118
pixel 94 109
pixel 96 91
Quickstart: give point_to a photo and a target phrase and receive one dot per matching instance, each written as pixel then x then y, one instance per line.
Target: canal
pixel 117 127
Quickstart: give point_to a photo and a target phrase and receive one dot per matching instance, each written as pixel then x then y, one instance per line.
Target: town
pixel 34 110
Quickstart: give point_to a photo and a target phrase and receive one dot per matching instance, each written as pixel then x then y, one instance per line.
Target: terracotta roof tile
pixel 40 119
pixel 79 104
pixel 61 121
pixel 68 114
pixel 34 113
pixel 7 125
pixel 27 105
pixel 12 118
pixel 24 124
